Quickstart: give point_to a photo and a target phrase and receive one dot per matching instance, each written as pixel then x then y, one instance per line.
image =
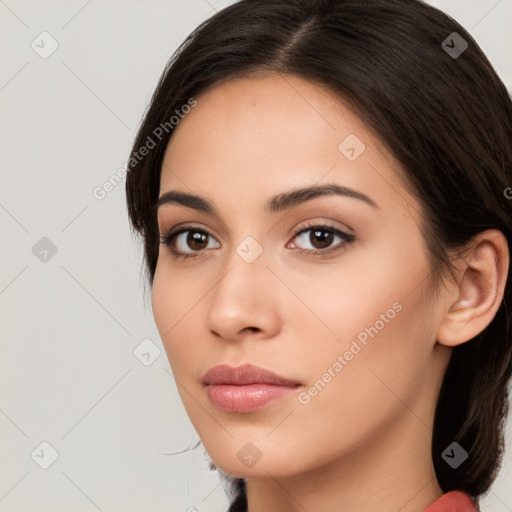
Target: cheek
pixel 163 303
pixel 175 310
pixel 352 399
pixel 339 300
pixel 369 318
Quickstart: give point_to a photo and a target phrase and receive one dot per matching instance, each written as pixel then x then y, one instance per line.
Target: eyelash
pixel 169 238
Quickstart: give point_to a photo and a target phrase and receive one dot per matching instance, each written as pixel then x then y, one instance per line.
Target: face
pixel 330 291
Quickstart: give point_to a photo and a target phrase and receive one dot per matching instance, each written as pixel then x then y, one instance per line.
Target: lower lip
pixel 246 398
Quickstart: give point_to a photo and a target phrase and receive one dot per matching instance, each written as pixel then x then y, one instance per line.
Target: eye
pixel 195 238
pixel 321 237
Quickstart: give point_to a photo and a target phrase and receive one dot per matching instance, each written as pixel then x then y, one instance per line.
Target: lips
pixel 244 375
pixel 245 388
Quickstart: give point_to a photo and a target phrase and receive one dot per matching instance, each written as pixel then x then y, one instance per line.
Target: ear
pixel 473 301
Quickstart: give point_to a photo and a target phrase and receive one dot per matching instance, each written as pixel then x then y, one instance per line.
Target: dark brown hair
pixel 446 118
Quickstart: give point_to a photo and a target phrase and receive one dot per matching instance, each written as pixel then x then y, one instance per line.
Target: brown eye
pixel 196 240
pixel 321 239
pixel 187 241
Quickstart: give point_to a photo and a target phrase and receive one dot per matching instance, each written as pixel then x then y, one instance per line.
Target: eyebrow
pixel 277 203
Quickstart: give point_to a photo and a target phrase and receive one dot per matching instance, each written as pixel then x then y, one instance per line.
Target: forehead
pixel 275 107
pixel 260 136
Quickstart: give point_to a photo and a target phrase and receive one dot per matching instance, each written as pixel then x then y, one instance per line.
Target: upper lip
pixel 244 374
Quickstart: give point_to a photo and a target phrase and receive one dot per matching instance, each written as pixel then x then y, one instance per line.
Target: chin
pixel 250 462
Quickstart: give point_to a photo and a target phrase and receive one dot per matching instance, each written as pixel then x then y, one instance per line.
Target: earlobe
pixel 479 291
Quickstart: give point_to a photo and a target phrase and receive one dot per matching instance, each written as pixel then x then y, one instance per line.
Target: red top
pixel 453 501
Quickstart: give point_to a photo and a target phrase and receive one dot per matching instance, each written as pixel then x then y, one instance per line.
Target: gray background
pixel 71 321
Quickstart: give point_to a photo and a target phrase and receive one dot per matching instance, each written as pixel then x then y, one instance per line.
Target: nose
pixel 244 300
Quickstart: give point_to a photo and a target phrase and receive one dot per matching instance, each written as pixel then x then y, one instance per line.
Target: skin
pixel 364 441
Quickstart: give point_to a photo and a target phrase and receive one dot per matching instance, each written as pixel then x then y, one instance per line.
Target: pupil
pixel 196 238
pixel 327 240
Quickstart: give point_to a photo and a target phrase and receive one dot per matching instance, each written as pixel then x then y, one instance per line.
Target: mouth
pixel 245 388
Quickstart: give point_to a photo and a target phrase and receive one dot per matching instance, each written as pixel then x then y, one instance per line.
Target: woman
pixel 322 190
